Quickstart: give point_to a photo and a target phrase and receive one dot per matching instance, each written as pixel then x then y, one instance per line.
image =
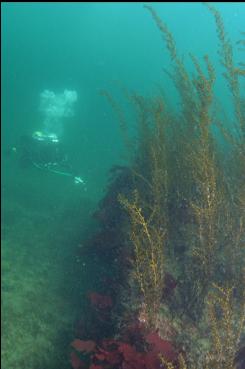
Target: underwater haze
pixel 89 47
pixel 61 137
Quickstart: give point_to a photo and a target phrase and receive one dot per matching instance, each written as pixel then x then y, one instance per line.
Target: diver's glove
pixel 79 180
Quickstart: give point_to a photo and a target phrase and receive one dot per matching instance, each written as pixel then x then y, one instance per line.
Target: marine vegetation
pixel 172 228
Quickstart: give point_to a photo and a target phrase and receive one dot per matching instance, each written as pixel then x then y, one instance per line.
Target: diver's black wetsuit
pixel 44 154
pixel 47 153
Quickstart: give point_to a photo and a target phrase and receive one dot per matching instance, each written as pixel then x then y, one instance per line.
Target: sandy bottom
pixel 39 275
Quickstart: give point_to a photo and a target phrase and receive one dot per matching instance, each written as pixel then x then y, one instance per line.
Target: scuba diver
pixel 43 149
pixel 45 152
